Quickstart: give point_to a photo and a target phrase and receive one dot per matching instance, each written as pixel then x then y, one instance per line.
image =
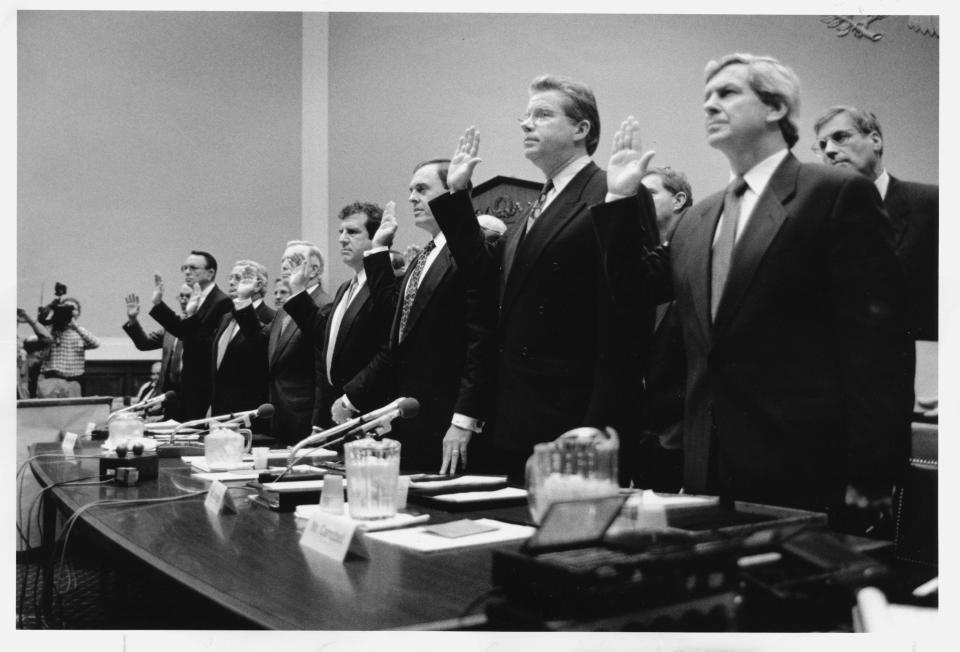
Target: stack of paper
pixel 418 539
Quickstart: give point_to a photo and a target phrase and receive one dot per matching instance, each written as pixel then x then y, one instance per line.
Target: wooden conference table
pixel 251 562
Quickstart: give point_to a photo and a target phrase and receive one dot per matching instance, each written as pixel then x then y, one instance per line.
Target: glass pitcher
pixel 373 471
pixel 124 428
pixel 580 463
pixel 225 446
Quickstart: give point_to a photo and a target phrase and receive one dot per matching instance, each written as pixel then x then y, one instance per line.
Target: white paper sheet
pixel 417 539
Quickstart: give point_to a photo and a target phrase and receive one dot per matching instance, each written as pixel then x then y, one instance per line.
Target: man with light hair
pixel 292 386
pixel 239 363
pixel 799 367
pixel 564 359
pixel 851 138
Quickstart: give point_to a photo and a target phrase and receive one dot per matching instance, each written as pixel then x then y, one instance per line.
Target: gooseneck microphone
pixel 156 400
pixel 355 428
pixel 265 411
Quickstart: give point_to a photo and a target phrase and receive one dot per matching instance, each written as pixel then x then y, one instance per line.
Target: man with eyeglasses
pixel 205 308
pixel 564 359
pixel 172 349
pixel 851 138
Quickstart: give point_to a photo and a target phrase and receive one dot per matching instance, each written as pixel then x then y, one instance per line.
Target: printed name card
pixel 218 499
pixel 69 442
pixel 329 534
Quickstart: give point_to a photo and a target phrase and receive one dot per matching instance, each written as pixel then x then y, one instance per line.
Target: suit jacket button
pixel 523 352
pixel 541 309
pixel 556 266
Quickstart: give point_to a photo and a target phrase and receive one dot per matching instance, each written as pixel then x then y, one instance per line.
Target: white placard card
pixel 218 499
pixel 69 441
pixel 329 534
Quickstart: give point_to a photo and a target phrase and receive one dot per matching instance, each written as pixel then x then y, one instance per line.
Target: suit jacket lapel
pixel 326 329
pixel 350 316
pixel 768 216
pixel 438 270
pixel 702 259
pixel 898 210
pixel 561 211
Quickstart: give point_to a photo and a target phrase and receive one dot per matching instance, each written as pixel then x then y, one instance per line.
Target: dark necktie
pixel 723 247
pixel 412 282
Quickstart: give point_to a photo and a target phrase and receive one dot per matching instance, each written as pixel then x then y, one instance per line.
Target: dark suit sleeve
pixel 470 249
pixel 376 384
pixel 635 267
pixel 309 317
pixel 633 278
pixel 476 394
pixel 142 340
pixel 384 291
pixel 181 327
pixel 249 323
pixel 878 358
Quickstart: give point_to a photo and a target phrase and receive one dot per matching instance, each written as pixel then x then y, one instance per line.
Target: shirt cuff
pixel 612 196
pixel 347 404
pixel 467 423
pixel 374 250
pixel 240 304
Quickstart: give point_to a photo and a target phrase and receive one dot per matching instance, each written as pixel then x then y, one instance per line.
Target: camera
pixel 62 316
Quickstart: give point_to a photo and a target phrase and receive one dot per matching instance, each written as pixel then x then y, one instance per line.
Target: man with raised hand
pixel 206 306
pixel 439 349
pixel 799 367
pixel 565 356
pixel 357 324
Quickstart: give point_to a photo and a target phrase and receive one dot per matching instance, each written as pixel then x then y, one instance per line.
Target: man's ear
pixel 776 112
pixel 679 200
pixel 583 130
pixel 877 141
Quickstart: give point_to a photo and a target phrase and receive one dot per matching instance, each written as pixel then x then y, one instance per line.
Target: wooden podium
pixel 507 198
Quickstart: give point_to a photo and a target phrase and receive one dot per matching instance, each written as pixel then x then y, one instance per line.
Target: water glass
pixel 373 470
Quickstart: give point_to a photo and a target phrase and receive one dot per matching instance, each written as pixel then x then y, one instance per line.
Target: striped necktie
pixel 538 205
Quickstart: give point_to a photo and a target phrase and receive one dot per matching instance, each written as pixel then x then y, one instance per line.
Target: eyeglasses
pixel 839 138
pixel 538 116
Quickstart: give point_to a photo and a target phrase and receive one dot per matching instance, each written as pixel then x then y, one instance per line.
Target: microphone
pixel 406 408
pixel 265 411
pixel 166 396
pixel 402 407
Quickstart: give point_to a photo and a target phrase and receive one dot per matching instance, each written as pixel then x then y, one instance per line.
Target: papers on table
pixel 418 539
pixel 471 481
pixel 396 521
pixel 506 493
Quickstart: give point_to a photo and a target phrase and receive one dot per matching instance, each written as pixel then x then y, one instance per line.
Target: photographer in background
pixel 62 372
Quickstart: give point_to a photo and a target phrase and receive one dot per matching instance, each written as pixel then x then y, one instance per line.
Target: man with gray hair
pixel 291 382
pixel 851 138
pixel 799 367
pixel 239 363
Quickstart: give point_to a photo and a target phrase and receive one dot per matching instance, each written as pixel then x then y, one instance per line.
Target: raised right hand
pixel 464 160
pixel 627 165
pixel 388 227
pixel 300 273
pixel 133 306
pixel 157 289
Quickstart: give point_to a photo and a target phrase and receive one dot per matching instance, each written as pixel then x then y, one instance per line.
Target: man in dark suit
pixel 564 359
pixel 799 367
pixel 438 350
pixel 239 365
pixel 206 306
pixel 359 318
pixel 172 350
pixel 292 386
pixel 850 138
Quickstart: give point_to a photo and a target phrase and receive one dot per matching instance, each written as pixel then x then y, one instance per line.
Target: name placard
pixel 218 499
pixel 329 534
pixel 69 441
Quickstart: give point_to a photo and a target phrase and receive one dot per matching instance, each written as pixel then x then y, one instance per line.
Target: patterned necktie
pixel 723 247
pixel 412 282
pixel 538 205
